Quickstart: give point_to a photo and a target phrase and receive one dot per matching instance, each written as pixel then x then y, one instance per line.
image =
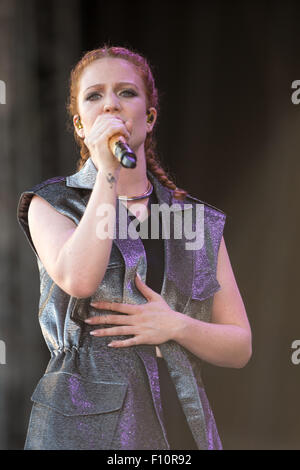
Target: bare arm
pixel 74 256
pixel 226 341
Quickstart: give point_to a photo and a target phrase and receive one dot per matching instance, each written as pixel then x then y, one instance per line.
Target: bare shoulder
pixel 49 230
pixel 40 211
pixel 228 305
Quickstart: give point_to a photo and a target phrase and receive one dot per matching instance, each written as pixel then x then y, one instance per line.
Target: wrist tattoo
pixel 111 179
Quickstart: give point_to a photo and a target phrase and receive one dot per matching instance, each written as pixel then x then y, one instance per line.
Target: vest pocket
pixel 71 395
pixel 70 412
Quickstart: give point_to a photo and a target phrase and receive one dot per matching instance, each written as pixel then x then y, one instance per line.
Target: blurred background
pixel 228 132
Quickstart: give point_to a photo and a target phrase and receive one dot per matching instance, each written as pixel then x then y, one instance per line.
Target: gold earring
pixel 79 124
pixel 150 118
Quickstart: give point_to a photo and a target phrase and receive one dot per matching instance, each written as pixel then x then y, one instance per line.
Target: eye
pixel 89 97
pixel 128 93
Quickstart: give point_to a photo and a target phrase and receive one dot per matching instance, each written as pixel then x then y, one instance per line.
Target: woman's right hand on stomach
pixel 104 127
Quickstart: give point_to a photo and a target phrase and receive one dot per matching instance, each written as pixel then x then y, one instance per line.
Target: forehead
pixel 109 70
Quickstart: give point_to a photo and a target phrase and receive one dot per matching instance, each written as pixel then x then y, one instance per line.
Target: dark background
pixel 228 132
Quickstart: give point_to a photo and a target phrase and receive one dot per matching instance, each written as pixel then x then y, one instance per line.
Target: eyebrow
pixel 117 85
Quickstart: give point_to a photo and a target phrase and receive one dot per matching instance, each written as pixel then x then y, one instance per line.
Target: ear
pixel 150 123
pixel 79 132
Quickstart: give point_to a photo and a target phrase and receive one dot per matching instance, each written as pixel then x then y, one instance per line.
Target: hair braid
pixel 153 164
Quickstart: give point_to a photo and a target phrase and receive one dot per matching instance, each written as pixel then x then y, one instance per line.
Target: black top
pixel 154 249
pixel 178 431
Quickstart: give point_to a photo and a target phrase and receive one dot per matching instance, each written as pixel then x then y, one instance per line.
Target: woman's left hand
pixel 151 323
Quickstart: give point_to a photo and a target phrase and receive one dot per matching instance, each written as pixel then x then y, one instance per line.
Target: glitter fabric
pixel 95 397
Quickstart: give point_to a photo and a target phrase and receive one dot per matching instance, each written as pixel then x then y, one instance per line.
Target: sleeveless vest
pixel 95 397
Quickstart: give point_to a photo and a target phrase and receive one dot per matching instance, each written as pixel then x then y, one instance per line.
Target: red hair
pixel 144 70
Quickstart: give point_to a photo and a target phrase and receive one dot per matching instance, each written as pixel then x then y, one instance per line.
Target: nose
pixel 111 104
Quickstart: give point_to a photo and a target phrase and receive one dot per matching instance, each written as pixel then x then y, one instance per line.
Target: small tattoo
pixel 111 179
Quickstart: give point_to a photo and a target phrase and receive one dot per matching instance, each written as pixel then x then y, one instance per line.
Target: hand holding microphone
pixel 121 150
pixel 107 142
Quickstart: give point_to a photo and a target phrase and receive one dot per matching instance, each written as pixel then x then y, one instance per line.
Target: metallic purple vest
pixel 95 397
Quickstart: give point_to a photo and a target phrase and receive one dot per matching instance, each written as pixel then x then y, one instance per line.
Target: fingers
pixel 129 125
pixel 98 135
pixel 147 292
pixel 109 320
pixel 125 343
pixel 114 331
pixel 130 309
pixel 105 127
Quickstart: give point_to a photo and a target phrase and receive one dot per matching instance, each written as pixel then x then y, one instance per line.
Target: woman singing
pixel 128 319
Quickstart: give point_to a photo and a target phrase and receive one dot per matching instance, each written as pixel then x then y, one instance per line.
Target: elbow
pixel 244 355
pixel 77 289
pixel 243 361
pixel 75 279
pixel 79 292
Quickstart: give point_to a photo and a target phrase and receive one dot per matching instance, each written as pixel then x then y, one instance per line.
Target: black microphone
pixel 122 151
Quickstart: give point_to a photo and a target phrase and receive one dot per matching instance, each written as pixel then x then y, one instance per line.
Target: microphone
pixel 122 151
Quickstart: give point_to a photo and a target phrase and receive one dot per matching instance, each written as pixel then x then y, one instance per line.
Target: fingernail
pixel 138 276
pixel 88 320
